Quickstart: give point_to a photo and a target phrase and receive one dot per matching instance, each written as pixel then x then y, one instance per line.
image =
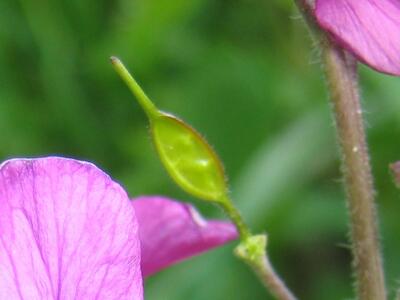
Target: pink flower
pixel 170 231
pixel 67 231
pixel 370 29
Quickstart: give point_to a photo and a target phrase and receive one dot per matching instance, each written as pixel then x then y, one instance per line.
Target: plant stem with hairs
pixel 252 250
pixel 342 78
pixel 341 73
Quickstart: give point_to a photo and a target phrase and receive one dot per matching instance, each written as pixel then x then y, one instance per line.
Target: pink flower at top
pixel 370 29
pixel 67 231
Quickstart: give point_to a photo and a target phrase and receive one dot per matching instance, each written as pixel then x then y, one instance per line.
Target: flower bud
pixel 185 154
pixel 188 158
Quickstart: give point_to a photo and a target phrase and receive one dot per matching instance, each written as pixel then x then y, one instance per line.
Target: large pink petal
pixel 67 231
pixel 368 28
pixel 170 231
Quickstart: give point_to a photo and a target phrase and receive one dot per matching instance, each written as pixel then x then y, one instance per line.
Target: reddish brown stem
pixel 341 74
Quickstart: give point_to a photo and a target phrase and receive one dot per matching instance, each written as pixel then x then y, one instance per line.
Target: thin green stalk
pixel 341 74
pixel 233 213
pixel 135 88
pixel 252 250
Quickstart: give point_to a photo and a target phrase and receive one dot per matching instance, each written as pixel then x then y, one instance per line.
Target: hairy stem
pixel 272 281
pixel 252 251
pixel 341 73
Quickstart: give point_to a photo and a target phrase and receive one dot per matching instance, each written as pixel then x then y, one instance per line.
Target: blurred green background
pixel 245 74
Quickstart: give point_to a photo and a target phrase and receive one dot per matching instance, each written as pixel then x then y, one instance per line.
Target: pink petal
pixel 368 28
pixel 170 231
pixel 67 231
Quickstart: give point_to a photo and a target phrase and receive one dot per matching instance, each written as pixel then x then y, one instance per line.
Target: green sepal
pixel 252 249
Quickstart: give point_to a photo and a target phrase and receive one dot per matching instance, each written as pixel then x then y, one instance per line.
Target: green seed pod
pixel 186 155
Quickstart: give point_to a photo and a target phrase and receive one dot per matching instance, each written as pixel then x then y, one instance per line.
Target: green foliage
pixel 242 74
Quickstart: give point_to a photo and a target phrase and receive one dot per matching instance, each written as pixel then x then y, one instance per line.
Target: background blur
pixel 244 73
